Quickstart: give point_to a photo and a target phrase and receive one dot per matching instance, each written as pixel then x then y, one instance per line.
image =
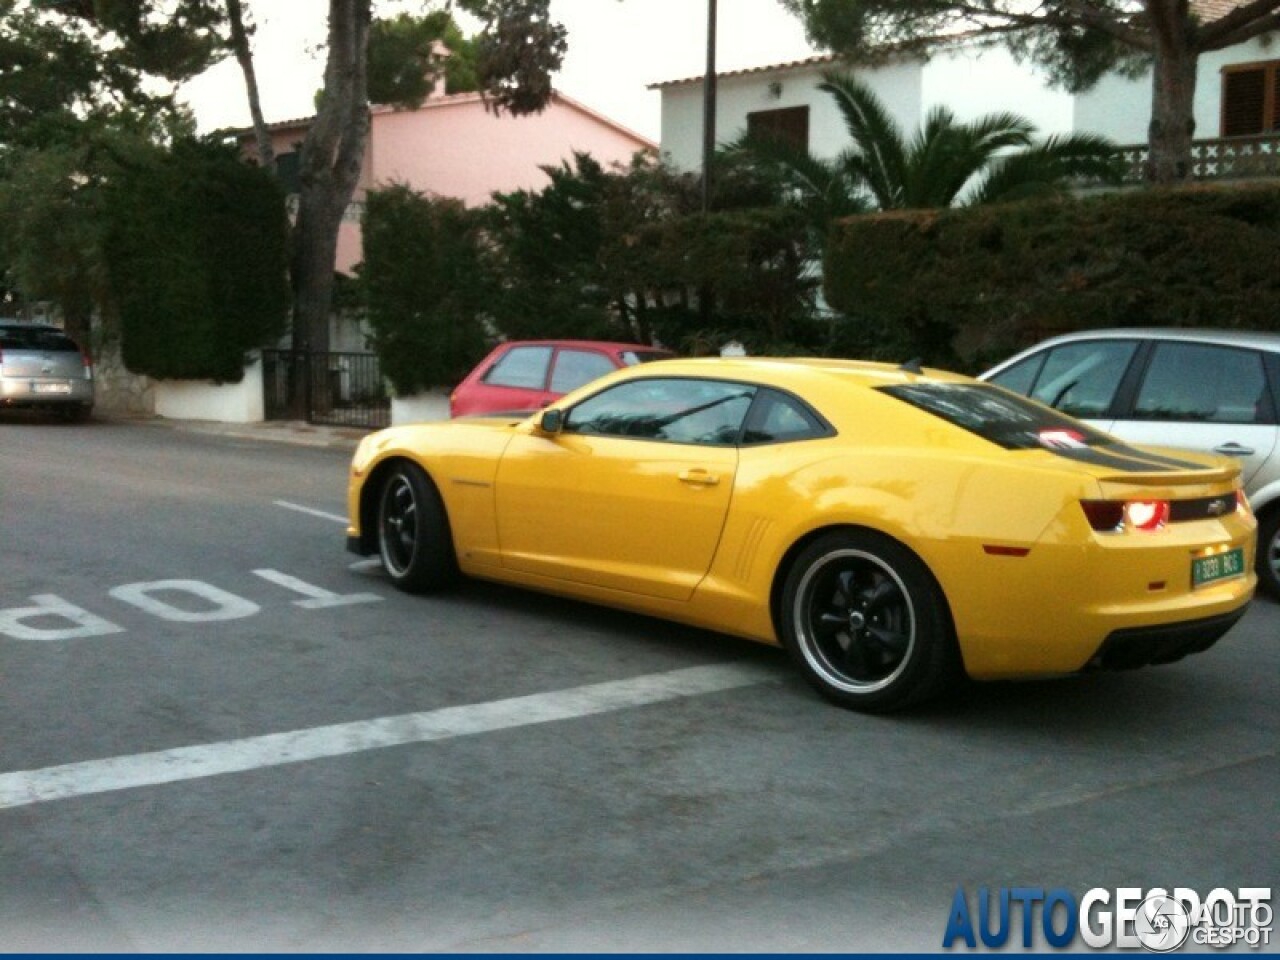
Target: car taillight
pixel 1109 516
pixel 88 365
pixel 1147 514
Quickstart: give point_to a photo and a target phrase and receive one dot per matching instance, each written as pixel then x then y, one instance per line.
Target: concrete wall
pixel 204 400
pixel 420 407
pixel 972 82
pixel 967 81
pixel 1120 108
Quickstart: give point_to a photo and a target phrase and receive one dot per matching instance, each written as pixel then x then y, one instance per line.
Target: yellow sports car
pixel 890 526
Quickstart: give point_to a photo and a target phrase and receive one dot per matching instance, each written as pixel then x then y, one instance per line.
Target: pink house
pixel 452 146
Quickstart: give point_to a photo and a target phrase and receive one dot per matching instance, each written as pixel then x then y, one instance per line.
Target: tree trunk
pixel 1173 92
pixel 244 56
pixel 329 169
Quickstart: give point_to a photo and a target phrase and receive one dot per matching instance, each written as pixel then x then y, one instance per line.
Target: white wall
pixel 420 408
pixel 204 400
pixel 897 84
pixel 1120 108
pixel 970 82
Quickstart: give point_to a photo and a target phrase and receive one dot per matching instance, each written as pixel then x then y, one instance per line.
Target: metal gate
pixel 337 389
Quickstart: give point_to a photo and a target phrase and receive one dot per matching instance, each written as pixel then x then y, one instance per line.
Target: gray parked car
pixel 1209 390
pixel 43 368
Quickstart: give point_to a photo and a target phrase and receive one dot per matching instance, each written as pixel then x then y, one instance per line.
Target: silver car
pixel 43 368
pixel 1209 390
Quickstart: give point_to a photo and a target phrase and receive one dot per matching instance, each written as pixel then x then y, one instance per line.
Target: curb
pixel 295 432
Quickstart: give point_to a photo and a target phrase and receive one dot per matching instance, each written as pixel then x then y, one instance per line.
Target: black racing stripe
pixel 1098 458
pixel 1128 451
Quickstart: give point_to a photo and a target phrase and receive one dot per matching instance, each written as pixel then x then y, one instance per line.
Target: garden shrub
pixel 962 287
pixel 196 260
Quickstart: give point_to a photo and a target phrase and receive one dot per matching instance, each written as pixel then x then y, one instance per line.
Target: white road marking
pixel 223 605
pixel 18 622
pixel 370 563
pixel 27 787
pixel 317 597
pixel 308 510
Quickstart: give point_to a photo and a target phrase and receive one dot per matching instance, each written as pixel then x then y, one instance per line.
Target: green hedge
pixel 196 259
pixel 963 287
pixel 425 284
pixel 750 264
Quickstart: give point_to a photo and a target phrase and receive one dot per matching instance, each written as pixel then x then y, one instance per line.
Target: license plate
pixel 1217 566
pixel 51 387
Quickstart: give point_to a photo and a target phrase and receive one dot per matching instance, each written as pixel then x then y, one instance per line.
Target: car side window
pixel 575 367
pixel 778 418
pixel 1020 377
pixel 523 367
pixel 1204 383
pixel 705 412
pixel 1081 379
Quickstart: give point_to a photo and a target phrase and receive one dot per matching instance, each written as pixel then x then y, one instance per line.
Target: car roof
pixel 792 372
pixel 605 344
pixel 1257 339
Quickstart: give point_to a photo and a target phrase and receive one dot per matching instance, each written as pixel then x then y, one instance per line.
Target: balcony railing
pixel 1229 158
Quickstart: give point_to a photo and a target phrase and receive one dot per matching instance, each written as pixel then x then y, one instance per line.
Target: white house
pixel 1237 96
pixel 784 98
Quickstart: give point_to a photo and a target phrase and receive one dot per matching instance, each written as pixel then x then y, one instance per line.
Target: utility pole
pixel 709 107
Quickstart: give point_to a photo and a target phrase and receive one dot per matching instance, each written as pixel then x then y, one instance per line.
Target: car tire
pixel 1269 551
pixel 867 623
pixel 413 532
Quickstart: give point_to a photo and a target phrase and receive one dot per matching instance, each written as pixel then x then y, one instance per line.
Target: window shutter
pixel 790 125
pixel 1272 122
pixel 1244 94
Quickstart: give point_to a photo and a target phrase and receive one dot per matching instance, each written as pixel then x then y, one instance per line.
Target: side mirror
pixel 551 422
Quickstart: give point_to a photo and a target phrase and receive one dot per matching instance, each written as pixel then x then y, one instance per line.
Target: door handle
pixel 1233 450
pixel 699 478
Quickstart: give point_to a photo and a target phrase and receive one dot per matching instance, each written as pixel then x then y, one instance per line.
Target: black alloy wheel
pixel 866 622
pixel 413 532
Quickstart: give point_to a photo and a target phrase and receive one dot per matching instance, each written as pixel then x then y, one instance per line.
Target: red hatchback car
pixel 523 375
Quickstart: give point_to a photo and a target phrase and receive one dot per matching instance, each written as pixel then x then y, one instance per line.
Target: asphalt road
pixel 195 750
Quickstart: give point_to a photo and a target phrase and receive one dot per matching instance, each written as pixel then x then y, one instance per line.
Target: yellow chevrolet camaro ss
pixel 890 526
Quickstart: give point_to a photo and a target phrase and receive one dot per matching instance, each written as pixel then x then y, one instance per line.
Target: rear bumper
pixel 1144 646
pixel 22 392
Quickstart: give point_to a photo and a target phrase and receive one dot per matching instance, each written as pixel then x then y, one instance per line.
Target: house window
pixel 287 169
pixel 1251 99
pixel 790 125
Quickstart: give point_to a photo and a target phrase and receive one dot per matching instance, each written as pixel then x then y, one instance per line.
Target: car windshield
pixel 995 415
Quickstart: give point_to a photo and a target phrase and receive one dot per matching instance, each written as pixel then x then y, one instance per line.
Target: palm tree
pixel 991 159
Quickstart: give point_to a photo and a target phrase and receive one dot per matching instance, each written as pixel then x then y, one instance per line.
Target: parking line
pixel 308 510
pixel 27 787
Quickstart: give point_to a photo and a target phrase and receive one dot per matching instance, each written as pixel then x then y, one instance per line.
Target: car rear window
pixel 36 338
pixel 998 416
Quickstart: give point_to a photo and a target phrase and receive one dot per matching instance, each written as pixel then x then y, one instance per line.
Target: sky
pixel 616 48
